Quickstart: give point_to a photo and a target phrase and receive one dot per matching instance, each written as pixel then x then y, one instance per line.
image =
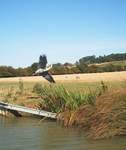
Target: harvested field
pixel 92 77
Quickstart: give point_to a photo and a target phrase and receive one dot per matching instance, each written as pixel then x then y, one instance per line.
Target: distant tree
pixel 34 67
pixel 58 69
pixel 92 69
pixel 82 66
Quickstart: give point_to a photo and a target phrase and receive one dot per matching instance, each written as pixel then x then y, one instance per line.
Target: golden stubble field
pixel 92 77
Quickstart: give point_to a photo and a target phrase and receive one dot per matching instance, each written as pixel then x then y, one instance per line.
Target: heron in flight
pixel 43 69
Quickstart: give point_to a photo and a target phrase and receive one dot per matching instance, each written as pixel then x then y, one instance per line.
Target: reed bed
pixel 57 99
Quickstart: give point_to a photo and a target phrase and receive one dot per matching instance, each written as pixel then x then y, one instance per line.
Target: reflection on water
pixel 29 134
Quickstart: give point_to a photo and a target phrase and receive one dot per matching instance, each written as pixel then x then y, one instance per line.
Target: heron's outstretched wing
pixel 48 76
pixel 42 61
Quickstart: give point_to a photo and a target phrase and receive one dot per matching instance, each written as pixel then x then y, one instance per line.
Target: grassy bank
pixel 98 108
pixel 101 112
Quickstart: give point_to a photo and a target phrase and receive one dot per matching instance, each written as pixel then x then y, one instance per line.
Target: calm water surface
pixel 30 134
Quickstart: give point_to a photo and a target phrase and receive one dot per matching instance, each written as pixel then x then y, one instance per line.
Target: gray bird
pixel 43 69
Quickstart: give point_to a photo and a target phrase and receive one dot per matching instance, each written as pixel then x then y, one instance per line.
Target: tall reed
pixel 56 98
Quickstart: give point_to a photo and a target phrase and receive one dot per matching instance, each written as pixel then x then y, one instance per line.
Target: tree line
pixel 88 64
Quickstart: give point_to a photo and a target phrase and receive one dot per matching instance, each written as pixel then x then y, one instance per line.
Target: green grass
pixel 67 95
pixel 71 86
pixel 57 98
pixel 11 92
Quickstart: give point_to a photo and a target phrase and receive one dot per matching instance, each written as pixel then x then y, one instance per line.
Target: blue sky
pixel 65 30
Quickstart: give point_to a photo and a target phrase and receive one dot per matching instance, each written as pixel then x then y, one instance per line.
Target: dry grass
pixel 92 77
pixel 106 119
pixel 110 116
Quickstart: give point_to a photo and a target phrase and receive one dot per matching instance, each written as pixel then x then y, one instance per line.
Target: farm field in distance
pixel 87 77
pixel 70 81
pixel 76 82
pixel 115 63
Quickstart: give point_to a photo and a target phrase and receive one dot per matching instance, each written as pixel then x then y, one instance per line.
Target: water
pixel 30 134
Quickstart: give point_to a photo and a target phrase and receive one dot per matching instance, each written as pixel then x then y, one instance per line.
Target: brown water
pixel 30 134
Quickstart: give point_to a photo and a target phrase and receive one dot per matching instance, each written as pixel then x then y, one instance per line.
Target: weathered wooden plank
pixel 28 110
